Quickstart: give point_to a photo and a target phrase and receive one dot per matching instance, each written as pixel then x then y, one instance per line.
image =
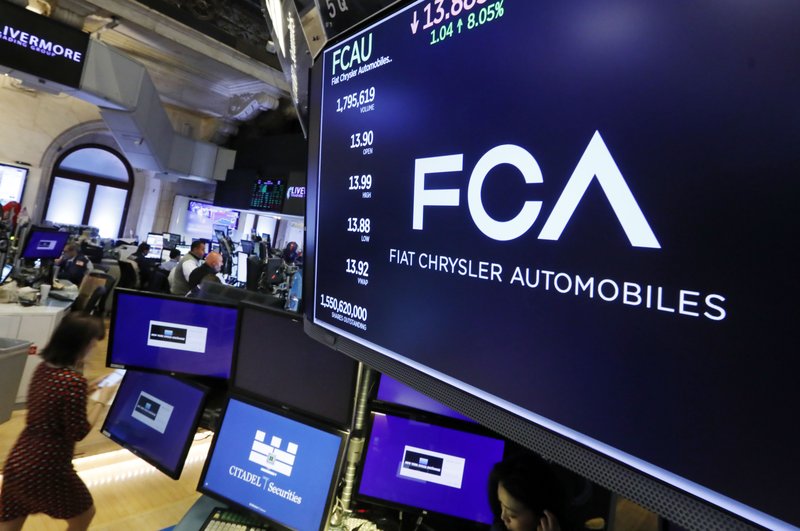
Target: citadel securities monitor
pixel 278 363
pixel 411 463
pixel 274 465
pixel 155 416
pixel 171 334
pixel 579 215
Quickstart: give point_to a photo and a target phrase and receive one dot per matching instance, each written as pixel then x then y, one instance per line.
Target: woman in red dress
pixel 38 476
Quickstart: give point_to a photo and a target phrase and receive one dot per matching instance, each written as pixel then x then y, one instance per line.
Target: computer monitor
pixel 155 416
pixel 412 464
pixel 276 466
pixel 44 243
pixel 277 362
pixel 158 332
pixel 7 269
pixel 171 240
pixel 247 246
pixel 183 249
pixel 156 243
pixel 393 391
pixel 241 268
pixel 165 254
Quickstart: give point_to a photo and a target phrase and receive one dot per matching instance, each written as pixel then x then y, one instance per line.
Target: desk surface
pixel 52 306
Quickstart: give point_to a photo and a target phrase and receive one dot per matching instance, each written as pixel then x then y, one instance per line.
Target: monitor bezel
pixel 251 306
pixel 380 403
pixel 162 296
pixel 176 473
pixel 433 420
pixel 337 469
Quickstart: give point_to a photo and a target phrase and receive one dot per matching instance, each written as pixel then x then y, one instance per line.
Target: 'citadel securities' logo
pixel 39 44
pixel 595 162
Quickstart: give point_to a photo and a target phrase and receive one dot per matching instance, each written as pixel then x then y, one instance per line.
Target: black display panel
pixel 580 213
pixel 277 362
pixel 41 46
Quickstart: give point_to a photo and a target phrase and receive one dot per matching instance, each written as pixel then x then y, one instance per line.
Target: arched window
pixel 91 185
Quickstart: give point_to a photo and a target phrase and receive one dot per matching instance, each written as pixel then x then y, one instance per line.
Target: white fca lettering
pixel 595 162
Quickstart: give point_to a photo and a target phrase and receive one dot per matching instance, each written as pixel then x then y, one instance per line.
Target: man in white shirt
pixel 179 276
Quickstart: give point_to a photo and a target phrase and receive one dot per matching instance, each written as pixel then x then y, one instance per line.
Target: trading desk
pixel 34 324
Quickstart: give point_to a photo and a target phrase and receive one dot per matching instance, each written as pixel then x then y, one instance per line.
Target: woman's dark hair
pixel 530 481
pixel 143 248
pixel 71 338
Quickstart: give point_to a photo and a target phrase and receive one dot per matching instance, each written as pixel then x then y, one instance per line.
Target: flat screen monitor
pixel 156 243
pixel 7 269
pixel 183 249
pixel 415 464
pixel 392 391
pixel 268 194
pixel 247 246
pixel 12 183
pixel 274 465
pixel 44 244
pixel 566 230
pixel 202 217
pixel 158 332
pixel 171 240
pixel 241 267
pixel 155 416
pixel 277 362
pixel 165 255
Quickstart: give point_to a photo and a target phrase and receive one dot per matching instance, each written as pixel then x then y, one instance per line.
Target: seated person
pixel 145 264
pixel 195 293
pixel 174 256
pixel 211 266
pixel 525 495
pixel 73 264
pixel 179 276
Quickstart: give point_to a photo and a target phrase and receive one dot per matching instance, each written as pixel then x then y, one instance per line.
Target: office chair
pixel 92 293
pixel 159 281
pixel 90 306
pixel 128 274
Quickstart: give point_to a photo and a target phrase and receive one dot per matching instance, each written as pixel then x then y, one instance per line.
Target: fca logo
pixel 595 162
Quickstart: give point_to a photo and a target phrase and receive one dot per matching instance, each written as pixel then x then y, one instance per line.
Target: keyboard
pixel 229 520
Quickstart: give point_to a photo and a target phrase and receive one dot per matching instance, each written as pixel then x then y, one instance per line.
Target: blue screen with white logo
pixel 155 416
pixel 171 334
pixel 581 212
pixel 45 244
pixel 275 466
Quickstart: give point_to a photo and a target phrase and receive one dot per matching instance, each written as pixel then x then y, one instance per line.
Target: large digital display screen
pixel 416 464
pixel 276 361
pixel 155 416
pixel 171 334
pixel 41 46
pixel 44 244
pixel 275 466
pixel 582 213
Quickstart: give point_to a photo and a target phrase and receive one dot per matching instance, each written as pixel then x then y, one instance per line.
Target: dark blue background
pixel 134 312
pixel 165 449
pixel 698 105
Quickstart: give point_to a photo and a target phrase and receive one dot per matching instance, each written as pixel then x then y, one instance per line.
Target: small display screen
pixel 275 466
pixel 171 334
pixel 268 194
pixel 425 466
pixel 45 244
pixel 155 416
